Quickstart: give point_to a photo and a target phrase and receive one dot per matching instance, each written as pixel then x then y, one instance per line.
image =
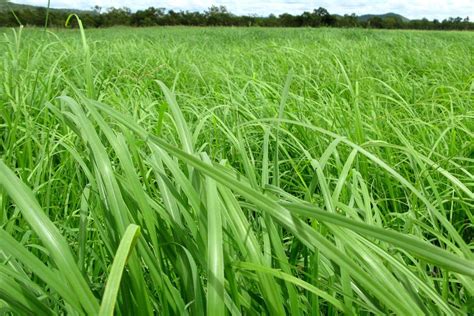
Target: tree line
pixel 219 16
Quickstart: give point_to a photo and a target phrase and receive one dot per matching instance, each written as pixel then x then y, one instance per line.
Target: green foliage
pixel 236 171
pixel 218 16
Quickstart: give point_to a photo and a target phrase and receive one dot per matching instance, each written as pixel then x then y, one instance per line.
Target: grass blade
pixel 115 276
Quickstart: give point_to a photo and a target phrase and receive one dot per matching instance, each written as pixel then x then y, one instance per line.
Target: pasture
pixel 236 171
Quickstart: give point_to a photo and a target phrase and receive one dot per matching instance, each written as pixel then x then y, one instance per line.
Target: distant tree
pixel 311 19
pixel 375 22
pixel 116 16
pixel 391 22
pixel 349 20
pixel 321 12
pixel 9 16
pixel 215 15
pixel 148 17
pixel 218 15
pixel 97 9
pixel 271 21
pixel 325 18
pixel 289 20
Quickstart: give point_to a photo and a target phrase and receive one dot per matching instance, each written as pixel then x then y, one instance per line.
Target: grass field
pixel 236 171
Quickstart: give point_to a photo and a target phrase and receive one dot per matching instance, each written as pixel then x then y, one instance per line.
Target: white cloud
pixel 431 9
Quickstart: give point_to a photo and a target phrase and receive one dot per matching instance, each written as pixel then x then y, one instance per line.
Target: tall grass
pixel 236 171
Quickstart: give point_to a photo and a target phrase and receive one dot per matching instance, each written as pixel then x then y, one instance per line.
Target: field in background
pixel 240 171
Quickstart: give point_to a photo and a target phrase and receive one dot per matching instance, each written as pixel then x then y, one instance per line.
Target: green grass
pixel 236 171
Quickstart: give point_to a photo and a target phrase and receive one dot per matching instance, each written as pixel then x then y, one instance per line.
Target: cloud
pixel 431 9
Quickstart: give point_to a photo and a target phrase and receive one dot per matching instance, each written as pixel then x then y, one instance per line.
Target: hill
pixel 17 6
pixel 366 17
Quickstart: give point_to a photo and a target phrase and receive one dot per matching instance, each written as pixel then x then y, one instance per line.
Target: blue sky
pixel 413 9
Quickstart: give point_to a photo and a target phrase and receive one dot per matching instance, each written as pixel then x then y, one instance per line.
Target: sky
pixel 412 9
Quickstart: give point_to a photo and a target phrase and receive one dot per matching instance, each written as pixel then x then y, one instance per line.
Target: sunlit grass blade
pixel 215 282
pixel 124 250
